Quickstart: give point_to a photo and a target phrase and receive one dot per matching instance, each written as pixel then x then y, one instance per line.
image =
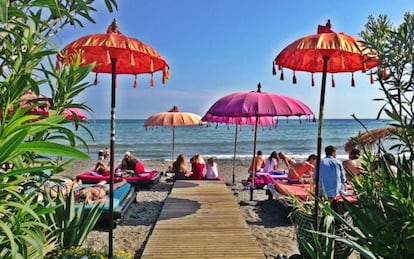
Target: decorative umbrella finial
pixel 113 27
pixel 325 28
pixel 174 109
pixel 328 24
pixel 258 87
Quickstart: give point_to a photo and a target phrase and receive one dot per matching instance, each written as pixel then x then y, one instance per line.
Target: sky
pixel 218 47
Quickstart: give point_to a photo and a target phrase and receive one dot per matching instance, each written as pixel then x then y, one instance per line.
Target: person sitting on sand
pixel 179 168
pixel 271 163
pixel 353 165
pixel 197 167
pixel 211 170
pixel 297 170
pixel 257 163
pixel 97 192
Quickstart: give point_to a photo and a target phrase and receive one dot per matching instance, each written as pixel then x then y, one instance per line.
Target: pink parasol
pixel 248 107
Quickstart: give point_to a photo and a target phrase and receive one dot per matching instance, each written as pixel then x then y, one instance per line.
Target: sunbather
pixel 297 170
pixel 54 188
pixel 179 168
pixel 197 167
pixel 102 169
pixel 96 192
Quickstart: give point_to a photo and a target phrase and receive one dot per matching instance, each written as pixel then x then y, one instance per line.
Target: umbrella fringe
pixel 313 80
pixel 135 82
pixel 353 80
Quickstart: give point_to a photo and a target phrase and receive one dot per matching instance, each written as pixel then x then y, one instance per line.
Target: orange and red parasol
pixel 325 52
pixel 115 53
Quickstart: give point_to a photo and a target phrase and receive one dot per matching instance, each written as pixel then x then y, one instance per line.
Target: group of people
pixel 199 168
pixel 129 165
pixel 333 172
pixel 296 170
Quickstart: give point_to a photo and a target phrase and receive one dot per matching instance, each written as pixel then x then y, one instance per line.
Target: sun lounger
pixel 280 190
pixel 144 179
pixel 124 196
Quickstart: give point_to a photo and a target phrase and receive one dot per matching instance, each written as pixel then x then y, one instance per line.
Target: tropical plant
pixel 31 143
pixel 383 218
pixel 70 223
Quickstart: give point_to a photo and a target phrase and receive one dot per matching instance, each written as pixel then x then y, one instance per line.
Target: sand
pixel 267 219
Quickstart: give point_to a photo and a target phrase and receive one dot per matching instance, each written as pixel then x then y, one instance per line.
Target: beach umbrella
pixel 238 121
pixel 369 137
pixel 254 105
pixel 325 52
pixel 114 53
pixel 173 118
pixel 40 105
pixel 73 113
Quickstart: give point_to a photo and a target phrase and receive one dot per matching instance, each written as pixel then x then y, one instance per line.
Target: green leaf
pixel 52 149
pixel 4 8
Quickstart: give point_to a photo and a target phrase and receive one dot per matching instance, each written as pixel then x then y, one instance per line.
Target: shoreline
pixel 267 219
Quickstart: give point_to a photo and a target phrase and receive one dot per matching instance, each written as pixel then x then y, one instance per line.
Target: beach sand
pixel 267 219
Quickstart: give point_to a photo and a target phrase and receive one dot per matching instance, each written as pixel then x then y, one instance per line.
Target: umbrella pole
pixel 319 146
pixel 111 164
pixel 253 161
pixel 234 155
pixel 173 144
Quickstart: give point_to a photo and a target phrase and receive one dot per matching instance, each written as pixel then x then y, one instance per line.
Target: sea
pixel 296 137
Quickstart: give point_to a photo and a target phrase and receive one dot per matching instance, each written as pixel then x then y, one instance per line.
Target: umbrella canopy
pixel 173 118
pixel 369 137
pixel 114 53
pixel 72 113
pixel 42 107
pixel 255 107
pixel 326 52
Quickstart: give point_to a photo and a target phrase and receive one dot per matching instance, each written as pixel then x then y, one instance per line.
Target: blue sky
pixel 217 47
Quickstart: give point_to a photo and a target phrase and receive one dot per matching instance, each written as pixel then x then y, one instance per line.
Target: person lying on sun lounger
pixel 297 170
pixel 96 192
pixel 54 188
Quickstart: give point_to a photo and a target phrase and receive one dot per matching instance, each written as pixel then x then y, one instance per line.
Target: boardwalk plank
pixel 201 219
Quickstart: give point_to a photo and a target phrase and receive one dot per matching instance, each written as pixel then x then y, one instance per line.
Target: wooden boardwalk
pixel 201 219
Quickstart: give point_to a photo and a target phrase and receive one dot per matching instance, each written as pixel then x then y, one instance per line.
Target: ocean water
pixel 295 137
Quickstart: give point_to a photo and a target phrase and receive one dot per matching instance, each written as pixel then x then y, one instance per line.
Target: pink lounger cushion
pixel 147 177
pixel 301 191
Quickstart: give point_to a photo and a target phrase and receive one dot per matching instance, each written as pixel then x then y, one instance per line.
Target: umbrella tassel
pixel 313 80
pixel 132 60
pixel 333 81
pixel 135 82
pixel 294 78
pixel 152 83
pixel 282 77
pixel 95 82
pixel 384 74
pixel 274 68
pixel 151 66
pixel 371 78
pixel 353 80
pixel 57 65
pixel 116 82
